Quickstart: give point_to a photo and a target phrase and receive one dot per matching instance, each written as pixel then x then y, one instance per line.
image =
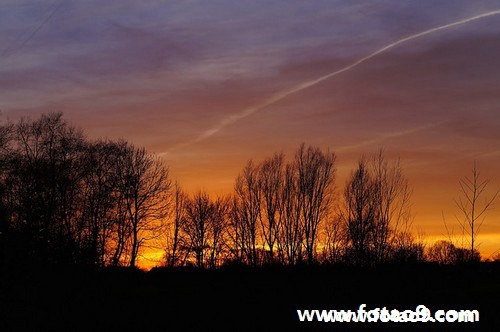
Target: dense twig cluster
pixel 73 201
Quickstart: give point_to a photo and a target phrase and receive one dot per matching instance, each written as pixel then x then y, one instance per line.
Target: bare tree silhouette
pixel 271 180
pixel 316 176
pixel 144 185
pixel 47 167
pixel 174 231
pixel 473 206
pixel 219 227
pixel 442 252
pixel 392 207
pixel 196 225
pixel 246 212
pixel 99 198
pixel 359 212
pixel 376 212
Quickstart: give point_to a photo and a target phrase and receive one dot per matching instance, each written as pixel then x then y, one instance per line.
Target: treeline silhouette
pixel 69 200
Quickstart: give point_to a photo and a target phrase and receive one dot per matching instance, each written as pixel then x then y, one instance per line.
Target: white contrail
pixel 391 135
pixel 281 95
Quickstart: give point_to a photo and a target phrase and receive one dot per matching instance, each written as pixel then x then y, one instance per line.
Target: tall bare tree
pixel 377 212
pixel 199 212
pixel 237 232
pixel 392 206
pixel 316 176
pixel 271 180
pixel 291 232
pixel 99 199
pixel 174 232
pixel 144 185
pixel 359 212
pixel 247 209
pixel 218 226
pixel 473 205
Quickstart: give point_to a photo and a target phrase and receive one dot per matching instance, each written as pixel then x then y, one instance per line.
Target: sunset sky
pixel 208 85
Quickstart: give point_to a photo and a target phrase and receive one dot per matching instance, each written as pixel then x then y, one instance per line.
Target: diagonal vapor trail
pixel 10 49
pixel 386 136
pixel 281 95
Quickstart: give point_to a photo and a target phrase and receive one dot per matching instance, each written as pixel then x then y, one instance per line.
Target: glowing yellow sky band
pixel 281 95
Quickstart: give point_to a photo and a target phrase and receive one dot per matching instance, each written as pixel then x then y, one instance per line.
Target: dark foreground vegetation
pixel 242 298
